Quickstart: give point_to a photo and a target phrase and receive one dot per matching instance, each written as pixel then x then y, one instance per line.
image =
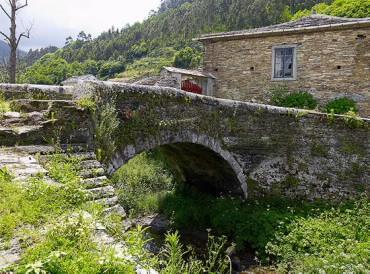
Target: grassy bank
pixel 293 235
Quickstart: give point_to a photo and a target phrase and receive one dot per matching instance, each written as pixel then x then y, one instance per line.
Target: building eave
pixel 281 32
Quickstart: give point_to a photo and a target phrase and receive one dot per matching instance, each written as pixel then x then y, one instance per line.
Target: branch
pixel 4 10
pixel 22 6
pixel 25 35
pixel 5 36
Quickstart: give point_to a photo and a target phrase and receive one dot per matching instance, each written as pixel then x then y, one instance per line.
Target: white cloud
pixel 54 20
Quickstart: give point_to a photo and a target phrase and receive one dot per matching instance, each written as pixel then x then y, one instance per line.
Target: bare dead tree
pixel 12 39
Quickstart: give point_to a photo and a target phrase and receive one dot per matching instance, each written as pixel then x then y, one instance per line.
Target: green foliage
pixel 187 58
pixel 64 169
pixel 307 236
pixel 106 126
pixel 87 103
pixel 215 259
pixel 50 69
pixel 69 248
pixel 143 182
pixel 146 67
pixel 353 120
pixel 335 241
pixel 32 205
pixel 341 8
pixel 283 98
pixel 110 69
pixel 137 240
pixel 4 105
pixel 341 106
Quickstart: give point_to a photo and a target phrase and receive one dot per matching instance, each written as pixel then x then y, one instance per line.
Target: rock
pixel 35 116
pixel 11 255
pixel 76 79
pixel 10 115
pixel 158 223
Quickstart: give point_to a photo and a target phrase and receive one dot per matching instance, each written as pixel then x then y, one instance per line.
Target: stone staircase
pixel 39 118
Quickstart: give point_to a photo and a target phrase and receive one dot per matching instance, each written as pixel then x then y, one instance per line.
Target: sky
pixel 54 20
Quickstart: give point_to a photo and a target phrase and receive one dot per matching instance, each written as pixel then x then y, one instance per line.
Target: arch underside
pixel 200 158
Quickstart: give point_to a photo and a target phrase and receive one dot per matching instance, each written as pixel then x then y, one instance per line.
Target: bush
pixel 4 105
pixel 187 58
pixel 341 106
pixel 146 67
pixel 341 8
pixel 336 241
pixel 110 69
pixel 69 247
pixel 283 98
pixel 143 182
pixel 49 70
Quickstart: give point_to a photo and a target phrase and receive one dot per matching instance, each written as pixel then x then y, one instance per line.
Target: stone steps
pixel 30 127
pixel 20 119
pixel 101 192
pixel 94 182
pixel 30 105
pixel 23 164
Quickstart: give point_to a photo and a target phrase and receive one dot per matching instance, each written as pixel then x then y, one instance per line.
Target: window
pixel 284 63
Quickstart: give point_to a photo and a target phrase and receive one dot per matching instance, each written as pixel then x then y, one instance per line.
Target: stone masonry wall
pixel 330 64
pixel 272 150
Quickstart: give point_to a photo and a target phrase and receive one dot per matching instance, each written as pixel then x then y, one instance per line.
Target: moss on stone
pixel 319 150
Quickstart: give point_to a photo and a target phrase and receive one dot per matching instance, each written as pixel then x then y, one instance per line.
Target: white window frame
pixel 294 46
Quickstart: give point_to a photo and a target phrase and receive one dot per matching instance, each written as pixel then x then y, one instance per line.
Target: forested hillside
pixel 4 51
pixel 165 37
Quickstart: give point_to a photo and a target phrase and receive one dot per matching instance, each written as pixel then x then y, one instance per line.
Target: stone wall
pixel 271 150
pixel 330 64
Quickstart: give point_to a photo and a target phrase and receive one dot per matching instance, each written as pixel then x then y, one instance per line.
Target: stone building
pixel 188 80
pixel 328 56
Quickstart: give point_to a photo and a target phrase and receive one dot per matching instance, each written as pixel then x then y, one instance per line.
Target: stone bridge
pixel 241 148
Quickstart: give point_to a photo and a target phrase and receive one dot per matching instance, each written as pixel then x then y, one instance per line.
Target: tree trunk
pixel 13 47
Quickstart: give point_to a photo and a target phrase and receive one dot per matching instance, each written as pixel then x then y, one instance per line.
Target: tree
pixel 12 38
pixel 341 8
pixel 187 58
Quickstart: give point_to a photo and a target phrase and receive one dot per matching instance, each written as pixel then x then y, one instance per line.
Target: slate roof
pixel 313 22
pixel 189 72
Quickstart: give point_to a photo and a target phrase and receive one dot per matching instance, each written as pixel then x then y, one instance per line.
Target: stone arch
pixel 173 141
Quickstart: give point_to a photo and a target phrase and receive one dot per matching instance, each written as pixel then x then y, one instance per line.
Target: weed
pixel 143 182
pixel 282 97
pixel 4 105
pixel 215 260
pixel 87 103
pixel 334 241
pixel 341 106
pixel 106 126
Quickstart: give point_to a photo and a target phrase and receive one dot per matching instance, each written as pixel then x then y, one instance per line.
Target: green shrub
pixel 110 68
pixel 341 8
pixel 341 106
pixel 87 103
pixel 146 67
pixel 336 241
pixel 143 182
pixel 215 259
pixel 187 58
pixel 283 98
pixel 64 169
pixel 4 105
pixel 106 127
pixel 34 204
pixel 69 247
